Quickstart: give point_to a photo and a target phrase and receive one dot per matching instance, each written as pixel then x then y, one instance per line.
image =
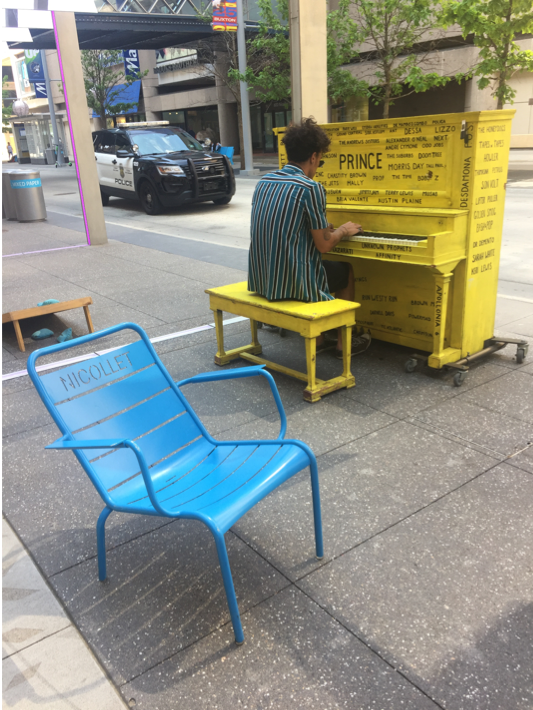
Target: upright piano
pixel 429 192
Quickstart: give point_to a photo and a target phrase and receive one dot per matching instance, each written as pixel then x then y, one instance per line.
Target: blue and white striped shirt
pixel 284 262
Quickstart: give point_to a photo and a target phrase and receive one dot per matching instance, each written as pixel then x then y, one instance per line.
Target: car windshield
pixel 163 140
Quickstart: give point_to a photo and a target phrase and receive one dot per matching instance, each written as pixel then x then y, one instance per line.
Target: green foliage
pixel 341 39
pixel 393 30
pixel 495 25
pixel 7 111
pixel 101 78
pixel 269 55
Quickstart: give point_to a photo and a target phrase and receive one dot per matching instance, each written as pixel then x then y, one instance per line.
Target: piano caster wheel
pixel 282 332
pixel 259 324
pixel 520 355
pixel 410 365
pixel 459 378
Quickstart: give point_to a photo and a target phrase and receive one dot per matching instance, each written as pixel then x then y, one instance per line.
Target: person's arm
pixel 326 239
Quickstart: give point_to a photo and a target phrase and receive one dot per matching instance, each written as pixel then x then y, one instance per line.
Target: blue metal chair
pixel 224 150
pixel 147 452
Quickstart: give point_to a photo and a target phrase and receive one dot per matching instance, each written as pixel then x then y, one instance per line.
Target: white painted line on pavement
pixel 217 242
pixel 97 353
pixel 516 298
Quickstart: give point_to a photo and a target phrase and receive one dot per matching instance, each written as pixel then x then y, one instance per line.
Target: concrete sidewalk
pixel 45 661
pixel 424 598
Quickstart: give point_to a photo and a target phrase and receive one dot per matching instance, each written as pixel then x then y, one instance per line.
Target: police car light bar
pixel 145 123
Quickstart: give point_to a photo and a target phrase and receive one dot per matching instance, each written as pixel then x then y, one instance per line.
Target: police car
pixel 160 165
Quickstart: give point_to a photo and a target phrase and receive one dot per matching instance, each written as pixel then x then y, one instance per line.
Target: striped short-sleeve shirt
pixel 284 261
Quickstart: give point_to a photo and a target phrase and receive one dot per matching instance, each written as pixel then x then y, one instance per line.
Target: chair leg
pixel 100 543
pixel 317 514
pixel 228 586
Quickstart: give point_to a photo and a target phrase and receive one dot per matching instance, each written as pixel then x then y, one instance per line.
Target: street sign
pixel 224 16
pixel 131 62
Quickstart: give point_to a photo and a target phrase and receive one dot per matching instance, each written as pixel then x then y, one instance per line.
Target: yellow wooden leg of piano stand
pixel 316 388
pixel 441 355
pixel 223 356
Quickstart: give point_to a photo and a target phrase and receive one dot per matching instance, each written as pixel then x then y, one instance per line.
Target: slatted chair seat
pixel 147 452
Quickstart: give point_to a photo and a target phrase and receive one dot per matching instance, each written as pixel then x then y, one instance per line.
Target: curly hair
pixel 304 139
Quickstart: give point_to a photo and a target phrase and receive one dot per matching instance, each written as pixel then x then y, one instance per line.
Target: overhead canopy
pixel 116 30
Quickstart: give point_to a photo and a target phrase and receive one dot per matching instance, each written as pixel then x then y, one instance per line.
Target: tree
pixel 270 73
pixel 495 25
pixel 101 82
pixel 342 36
pixel 395 31
pixel 220 58
pixel 268 59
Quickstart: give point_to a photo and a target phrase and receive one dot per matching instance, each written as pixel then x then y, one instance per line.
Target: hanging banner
pixel 131 62
pixel 34 67
pixel 224 16
pixel 40 90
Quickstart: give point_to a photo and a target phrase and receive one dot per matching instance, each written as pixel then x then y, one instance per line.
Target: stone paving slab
pixel 511 395
pixel 324 426
pixel 497 432
pixel 509 312
pixel 52 503
pixel 295 655
pixel 46 236
pixel 523 459
pixel 446 595
pixel 45 662
pixel 397 455
pixel 30 612
pixel 164 591
pixel 365 487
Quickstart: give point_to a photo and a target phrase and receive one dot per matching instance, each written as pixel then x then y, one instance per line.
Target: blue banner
pixel 21 184
pixel 131 62
pixel 34 67
pixel 40 90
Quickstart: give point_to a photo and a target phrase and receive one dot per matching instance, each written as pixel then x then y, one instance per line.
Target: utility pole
pixel 309 59
pixel 69 58
pixel 245 100
pixel 51 105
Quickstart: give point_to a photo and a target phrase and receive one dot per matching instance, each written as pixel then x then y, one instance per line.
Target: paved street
pixel 424 598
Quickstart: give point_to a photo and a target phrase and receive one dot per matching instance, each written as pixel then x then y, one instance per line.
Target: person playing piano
pixel 290 232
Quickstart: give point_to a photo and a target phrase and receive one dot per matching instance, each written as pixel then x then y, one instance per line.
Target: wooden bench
pixel 16 316
pixel 307 319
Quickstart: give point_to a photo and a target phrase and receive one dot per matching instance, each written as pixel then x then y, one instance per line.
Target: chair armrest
pixel 237 374
pixel 69 444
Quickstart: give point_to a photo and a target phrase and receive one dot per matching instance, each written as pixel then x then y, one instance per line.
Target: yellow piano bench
pixel 307 319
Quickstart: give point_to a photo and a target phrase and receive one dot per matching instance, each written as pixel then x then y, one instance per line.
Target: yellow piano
pixel 429 192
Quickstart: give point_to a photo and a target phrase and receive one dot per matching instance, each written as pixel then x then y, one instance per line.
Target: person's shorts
pixel 337 273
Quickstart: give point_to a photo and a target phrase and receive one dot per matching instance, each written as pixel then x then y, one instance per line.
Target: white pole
pixel 245 102
pixel 51 106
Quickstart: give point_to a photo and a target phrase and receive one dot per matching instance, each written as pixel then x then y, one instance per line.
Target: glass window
pixel 269 136
pixel 122 141
pixel 279 119
pixel 105 143
pixel 163 140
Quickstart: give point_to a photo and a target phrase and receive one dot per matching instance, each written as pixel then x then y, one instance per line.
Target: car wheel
pixel 105 198
pixel 149 199
pixel 222 201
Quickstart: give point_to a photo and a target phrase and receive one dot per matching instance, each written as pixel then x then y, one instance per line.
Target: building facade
pixel 181 86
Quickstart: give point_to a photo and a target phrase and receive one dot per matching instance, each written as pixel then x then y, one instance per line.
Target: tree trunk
pixel 386 98
pixel 241 135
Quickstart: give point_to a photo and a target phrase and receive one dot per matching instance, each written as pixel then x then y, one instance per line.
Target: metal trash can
pixel 28 195
pixel 50 156
pixel 8 200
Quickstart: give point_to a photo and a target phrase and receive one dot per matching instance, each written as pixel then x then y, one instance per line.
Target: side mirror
pixel 124 153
